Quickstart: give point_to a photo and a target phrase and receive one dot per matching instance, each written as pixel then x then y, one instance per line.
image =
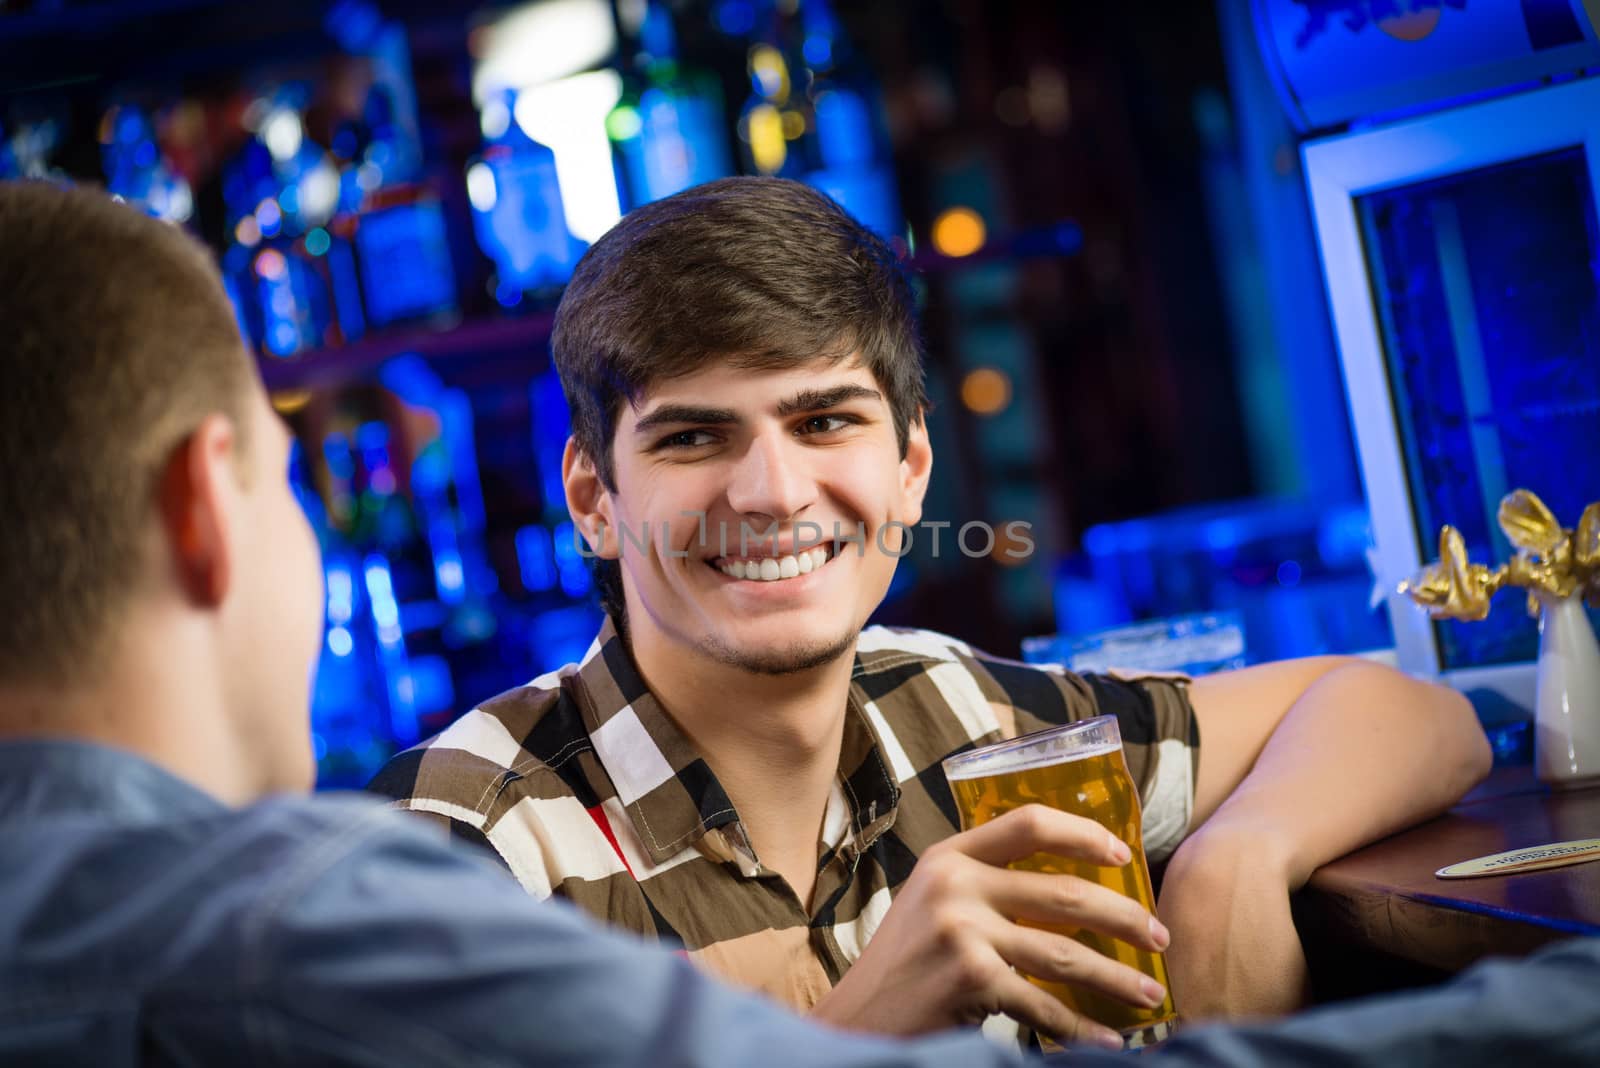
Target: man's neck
pixel 772 741
pixel 149 697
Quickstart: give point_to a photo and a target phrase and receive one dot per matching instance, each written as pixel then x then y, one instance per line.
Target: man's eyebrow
pixel 672 414
pixel 815 400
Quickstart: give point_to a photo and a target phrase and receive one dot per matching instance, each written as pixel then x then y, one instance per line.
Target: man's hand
pixel 946 950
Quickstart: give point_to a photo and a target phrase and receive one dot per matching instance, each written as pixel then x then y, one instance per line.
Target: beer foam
pixel 1028 756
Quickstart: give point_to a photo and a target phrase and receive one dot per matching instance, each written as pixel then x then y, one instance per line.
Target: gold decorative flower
pixel 1550 559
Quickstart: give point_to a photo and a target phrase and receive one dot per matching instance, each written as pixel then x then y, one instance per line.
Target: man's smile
pixel 774 568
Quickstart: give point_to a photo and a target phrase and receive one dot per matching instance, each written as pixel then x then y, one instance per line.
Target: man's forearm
pixel 1364 752
pixel 1360 752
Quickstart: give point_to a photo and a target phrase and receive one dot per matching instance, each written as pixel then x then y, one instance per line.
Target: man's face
pixel 753 451
pixel 277 613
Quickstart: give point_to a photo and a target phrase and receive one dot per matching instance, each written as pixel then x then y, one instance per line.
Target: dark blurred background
pixel 1102 203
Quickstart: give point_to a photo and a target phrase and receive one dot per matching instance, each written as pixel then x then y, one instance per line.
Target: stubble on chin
pixel 786 660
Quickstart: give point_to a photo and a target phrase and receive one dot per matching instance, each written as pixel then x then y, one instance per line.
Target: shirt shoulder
pixel 909 672
pixel 459 771
pixel 177 890
pixel 398 946
pixel 519 777
pixel 926 690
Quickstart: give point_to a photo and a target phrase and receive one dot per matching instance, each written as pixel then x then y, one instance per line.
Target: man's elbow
pixel 1461 754
pixel 1439 726
pixel 1478 755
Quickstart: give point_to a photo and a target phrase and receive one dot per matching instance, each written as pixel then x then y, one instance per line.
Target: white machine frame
pixel 1338 170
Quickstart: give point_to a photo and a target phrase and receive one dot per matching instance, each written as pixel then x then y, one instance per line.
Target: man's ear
pixel 198 502
pixel 589 502
pixel 915 470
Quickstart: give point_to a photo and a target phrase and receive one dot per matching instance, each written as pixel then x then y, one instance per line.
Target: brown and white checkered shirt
pixel 584 786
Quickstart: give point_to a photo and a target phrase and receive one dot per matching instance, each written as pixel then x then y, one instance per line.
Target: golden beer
pixel 1077 768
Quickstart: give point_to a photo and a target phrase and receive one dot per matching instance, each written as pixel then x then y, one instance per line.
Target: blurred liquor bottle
pixel 137 170
pixel 29 150
pixel 669 129
pixel 853 163
pixel 518 215
pixel 280 190
pixel 383 610
pixel 390 219
pixel 351 719
pixel 329 244
pixel 775 130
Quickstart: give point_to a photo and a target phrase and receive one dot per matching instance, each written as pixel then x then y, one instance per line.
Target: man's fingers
pixel 1068 901
pixel 1035 1008
pixel 1059 959
pixel 1039 829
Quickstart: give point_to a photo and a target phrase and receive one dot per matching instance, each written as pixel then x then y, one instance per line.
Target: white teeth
pixel 773 569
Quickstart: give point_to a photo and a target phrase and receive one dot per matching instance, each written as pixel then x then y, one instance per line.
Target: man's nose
pixel 772 480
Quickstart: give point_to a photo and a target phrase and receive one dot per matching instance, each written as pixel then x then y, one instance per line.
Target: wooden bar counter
pixel 1379 919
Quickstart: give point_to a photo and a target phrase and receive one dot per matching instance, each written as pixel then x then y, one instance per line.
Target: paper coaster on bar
pixel 1533 858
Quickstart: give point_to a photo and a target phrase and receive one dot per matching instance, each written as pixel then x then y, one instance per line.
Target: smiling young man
pixel 740 766
pixel 166 897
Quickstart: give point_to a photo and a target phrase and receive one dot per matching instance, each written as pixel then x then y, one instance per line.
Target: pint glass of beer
pixel 1077 768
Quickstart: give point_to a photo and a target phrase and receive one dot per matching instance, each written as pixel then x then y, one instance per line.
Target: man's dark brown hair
pixel 758 273
pixel 116 340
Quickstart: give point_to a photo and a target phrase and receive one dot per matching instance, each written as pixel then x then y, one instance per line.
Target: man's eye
pixel 686 439
pixel 824 424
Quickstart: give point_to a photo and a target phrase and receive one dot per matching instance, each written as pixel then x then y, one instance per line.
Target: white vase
pixel 1566 742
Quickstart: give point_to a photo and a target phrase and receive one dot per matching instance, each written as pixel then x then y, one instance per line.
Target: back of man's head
pixel 116 340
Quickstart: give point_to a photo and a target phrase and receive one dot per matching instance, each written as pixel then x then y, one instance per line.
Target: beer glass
pixel 1077 768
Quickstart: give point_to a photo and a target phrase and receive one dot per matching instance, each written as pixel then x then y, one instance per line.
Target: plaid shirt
pixel 584 786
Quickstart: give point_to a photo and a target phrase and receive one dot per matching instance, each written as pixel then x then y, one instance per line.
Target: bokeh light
pixel 958 231
pixel 986 391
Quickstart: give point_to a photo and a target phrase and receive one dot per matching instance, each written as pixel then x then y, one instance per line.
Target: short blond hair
pixel 116 340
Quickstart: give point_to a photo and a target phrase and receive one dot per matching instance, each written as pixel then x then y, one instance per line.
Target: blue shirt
pixel 141 921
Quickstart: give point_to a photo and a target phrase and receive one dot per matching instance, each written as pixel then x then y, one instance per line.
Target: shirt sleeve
pixel 1541 1009
pixel 1161 744
pixel 384 940
pixel 464 792
pixel 378 946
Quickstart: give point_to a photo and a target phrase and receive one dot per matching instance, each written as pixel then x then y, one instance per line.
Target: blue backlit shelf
pixel 529 333
pixel 323 368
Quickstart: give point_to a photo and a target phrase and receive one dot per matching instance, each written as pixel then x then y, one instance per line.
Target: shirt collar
pixel 660 778
pixel 665 785
pixel 46 777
